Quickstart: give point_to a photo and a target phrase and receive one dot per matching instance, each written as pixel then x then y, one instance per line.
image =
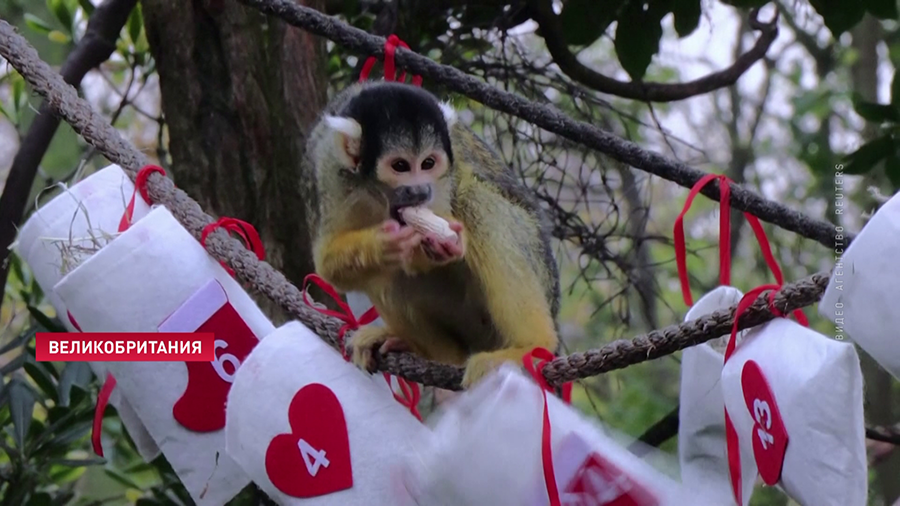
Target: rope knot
pixel 345 314
pixel 390 73
pixel 244 230
pixel 140 187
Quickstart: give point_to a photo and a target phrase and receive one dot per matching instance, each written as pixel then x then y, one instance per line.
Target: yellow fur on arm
pixel 349 259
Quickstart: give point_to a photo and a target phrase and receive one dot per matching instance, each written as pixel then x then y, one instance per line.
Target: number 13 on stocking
pixel 202 406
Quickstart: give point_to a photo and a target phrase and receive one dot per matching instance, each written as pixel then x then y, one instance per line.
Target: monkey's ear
pixel 449 113
pixel 347 134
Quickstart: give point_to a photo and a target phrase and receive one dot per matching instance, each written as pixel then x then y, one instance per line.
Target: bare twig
pixel 94 48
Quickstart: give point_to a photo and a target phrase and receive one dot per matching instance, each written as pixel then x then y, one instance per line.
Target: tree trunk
pixel 239 93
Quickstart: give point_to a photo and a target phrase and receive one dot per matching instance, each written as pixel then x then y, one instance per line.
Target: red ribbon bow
pixel 410 391
pixel 244 230
pixel 140 186
pixel 390 47
pixel 544 356
pixel 724 240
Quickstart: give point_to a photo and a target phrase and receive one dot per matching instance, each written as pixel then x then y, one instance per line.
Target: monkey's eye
pixel 400 166
pixel 428 163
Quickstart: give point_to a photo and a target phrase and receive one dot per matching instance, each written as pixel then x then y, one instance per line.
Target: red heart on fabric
pixel 770 438
pixel 314 459
pixel 600 482
pixel 202 406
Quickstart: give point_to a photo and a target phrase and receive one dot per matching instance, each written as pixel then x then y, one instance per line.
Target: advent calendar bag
pixel 66 230
pixel 487 450
pixel 865 285
pixel 795 400
pixel 156 277
pixel 310 428
pixel 701 412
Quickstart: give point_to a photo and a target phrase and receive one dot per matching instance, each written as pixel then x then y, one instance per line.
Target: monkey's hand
pixel 398 243
pixel 444 251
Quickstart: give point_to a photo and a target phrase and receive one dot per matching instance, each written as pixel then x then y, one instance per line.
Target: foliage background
pixel 812 103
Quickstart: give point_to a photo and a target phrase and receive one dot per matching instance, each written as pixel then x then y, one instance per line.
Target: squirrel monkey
pixel 488 295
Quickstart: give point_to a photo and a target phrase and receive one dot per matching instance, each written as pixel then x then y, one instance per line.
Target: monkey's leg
pixel 369 337
pixel 518 307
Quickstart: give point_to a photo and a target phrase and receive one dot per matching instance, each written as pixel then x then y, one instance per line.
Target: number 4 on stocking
pixel 318 428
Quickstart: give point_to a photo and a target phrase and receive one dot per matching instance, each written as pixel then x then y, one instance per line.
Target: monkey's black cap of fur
pixel 392 110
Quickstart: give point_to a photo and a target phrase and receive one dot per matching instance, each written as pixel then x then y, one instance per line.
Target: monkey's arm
pixel 515 300
pixel 349 260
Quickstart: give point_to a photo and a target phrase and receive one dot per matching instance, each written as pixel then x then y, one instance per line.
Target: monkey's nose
pixel 411 196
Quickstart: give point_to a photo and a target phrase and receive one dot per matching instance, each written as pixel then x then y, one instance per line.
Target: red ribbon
pixel 544 356
pixel 410 390
pixel 390 74
pixel 411 394
pixel 731 436
pixel 724 240
pixel 140 185
pixel 102 400
pixel 243 229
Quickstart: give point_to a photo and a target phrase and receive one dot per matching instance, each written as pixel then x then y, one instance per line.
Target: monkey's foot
pixel 363 343
pixel 480 365
pixel 367 339
pixel 394 344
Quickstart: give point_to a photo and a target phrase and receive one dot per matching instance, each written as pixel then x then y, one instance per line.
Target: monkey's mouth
pixel 397 215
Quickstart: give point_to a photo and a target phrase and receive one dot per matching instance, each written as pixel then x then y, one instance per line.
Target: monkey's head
pixel 397 136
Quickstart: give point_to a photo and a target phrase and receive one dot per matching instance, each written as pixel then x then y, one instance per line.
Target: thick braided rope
pixel 64 100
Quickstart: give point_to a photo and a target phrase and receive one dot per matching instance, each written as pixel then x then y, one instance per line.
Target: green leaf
pixel 874 112
pixel 135 23
pixel 868 155
pixel 13 364
pixel 839 15
pixel 37 24
pixel 74 373
pixel 882 9
pixel 121 478
pixel 18 95
pixel 90 461
pixel 18 341
pixel 687 16
pixel 637 37
pixel 87 6
pixel 892 170
pixel 45 320
pixel 42 379
pixel 60 9
pixel 584 21
pixel 71 434
pixel 21 406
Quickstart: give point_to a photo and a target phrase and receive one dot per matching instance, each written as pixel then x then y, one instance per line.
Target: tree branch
pixel 94 48
pixel 549 118
pixel 554 37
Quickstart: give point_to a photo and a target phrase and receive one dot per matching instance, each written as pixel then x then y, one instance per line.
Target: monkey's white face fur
pixel 400 161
